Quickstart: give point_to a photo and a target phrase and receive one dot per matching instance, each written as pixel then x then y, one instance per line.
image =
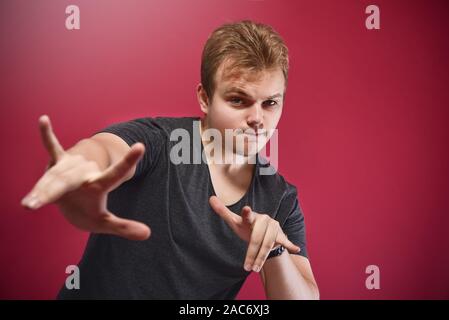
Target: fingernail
pixel 34 202
pixel 24 201
pixel 256 268
pixel 27 198
pixel 247 267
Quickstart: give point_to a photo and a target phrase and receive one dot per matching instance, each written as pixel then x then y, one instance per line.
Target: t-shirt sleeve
pixel 294 226
pixel 143 130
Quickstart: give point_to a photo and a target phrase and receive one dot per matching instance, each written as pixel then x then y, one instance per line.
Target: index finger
pixel 49 139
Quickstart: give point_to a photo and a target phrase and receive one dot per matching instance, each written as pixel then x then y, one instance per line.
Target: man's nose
pixel 255 116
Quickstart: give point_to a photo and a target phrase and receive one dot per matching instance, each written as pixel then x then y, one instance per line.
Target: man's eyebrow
pixel 277 95
pixel 237 90
pixel 243 93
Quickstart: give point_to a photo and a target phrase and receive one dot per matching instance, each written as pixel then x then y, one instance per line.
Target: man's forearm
pixel 284 281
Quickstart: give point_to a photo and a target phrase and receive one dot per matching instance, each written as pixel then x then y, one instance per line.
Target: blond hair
pixel 245 45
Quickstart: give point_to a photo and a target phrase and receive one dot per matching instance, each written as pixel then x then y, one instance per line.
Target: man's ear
pixel 203 100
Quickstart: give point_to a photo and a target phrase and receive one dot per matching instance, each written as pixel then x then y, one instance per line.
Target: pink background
pixel 363 136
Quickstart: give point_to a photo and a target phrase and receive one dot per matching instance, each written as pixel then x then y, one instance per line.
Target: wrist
pixel 277 251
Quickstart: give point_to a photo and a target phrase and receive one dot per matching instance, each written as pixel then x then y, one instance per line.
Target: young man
pixel 213 221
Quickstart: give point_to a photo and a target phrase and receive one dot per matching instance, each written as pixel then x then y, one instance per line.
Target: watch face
pixel 276 252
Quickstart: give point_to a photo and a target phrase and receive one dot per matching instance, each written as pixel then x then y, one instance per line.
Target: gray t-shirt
pixel 192 253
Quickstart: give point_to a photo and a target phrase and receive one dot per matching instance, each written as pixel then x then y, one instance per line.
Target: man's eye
pixel 270 103
pixel 236 101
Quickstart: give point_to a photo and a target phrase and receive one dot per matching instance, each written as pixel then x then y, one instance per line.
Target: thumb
pixel 227 215
pixel 248 215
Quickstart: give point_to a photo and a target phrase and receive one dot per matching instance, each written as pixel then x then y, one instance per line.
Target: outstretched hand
pixel 262 232
pixel 80 188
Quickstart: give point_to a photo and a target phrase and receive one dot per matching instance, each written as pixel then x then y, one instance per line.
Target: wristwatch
pixel 276 252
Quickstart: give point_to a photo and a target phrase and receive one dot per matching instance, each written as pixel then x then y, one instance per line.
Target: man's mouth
pixel 252 132
pixel 253 135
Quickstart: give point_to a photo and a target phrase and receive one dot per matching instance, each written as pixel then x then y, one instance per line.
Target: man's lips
pixel 254 136
pixel 251 132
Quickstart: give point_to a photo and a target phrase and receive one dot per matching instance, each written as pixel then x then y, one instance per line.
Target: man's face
pixel 250 102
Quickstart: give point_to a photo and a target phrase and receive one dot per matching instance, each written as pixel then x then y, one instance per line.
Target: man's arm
pixel 289 276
